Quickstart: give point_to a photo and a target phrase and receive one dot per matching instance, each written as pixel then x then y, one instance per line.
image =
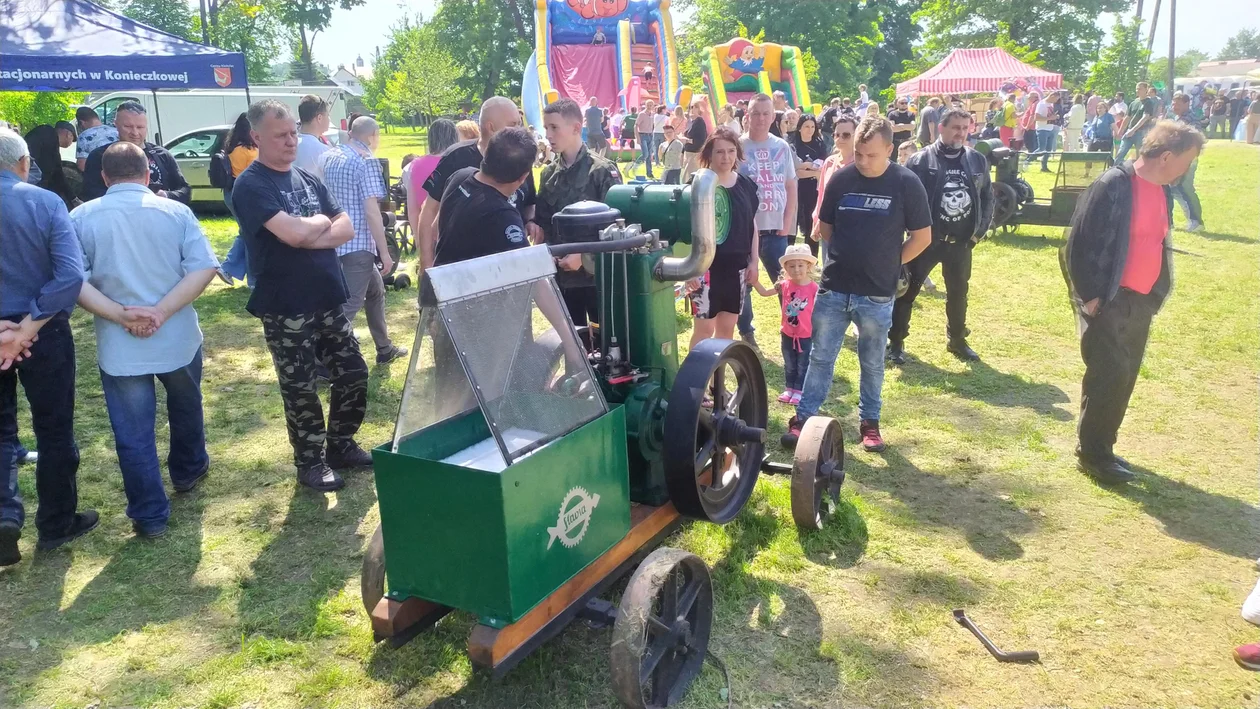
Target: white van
pixel 180 112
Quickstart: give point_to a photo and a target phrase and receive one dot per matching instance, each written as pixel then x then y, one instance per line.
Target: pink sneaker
pixel 796 397
pixel 1248 656
pixel 871 440
pixel 785 397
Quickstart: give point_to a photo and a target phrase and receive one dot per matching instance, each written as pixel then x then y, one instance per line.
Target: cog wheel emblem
pixel 573 519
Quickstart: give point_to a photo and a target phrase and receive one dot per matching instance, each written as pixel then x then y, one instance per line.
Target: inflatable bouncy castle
pixel 620 51
pixel 739 68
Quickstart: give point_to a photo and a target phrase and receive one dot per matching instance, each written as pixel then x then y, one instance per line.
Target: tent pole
pixel 245 61
pixel 157 113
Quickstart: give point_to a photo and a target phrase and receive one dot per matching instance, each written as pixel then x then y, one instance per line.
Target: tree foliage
pixel 898 32
pixel 1185 65
pixel 171 16
pixel 489 41
pixel 308 18
pixel 840 37
pixel 1065 33
pixel 248 26
pixel 425 81
pixel 32 108
pixel 1244 45
pixel 1122 62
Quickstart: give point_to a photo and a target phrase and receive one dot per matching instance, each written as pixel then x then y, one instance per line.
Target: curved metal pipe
pixel 703 232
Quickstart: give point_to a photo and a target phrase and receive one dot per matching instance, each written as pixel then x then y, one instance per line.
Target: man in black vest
pixel 957 182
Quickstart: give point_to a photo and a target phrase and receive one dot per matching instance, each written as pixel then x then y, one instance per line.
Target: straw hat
pixel 798 252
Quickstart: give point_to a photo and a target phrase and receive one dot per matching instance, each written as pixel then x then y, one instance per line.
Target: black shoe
pixel 958 347
pixel 191 484
pixel 390 355
pixel 152 532
pixel 352 456
pixel 1105 470
pixel 321 478
pixel 896 352
pixel 10 533
pixel 793 434
pixel 83 523
pixel 750 339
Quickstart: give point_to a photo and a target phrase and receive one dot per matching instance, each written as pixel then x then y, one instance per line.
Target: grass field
pixel 1130 594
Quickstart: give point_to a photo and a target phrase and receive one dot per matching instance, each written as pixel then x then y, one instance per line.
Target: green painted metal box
pixel 497 543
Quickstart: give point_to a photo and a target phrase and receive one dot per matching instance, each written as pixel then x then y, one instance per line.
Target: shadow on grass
pixel 1218 522
pixel 317 549
pixel 842 540
pixel 1232 238
pixel 988 522
pixel 1028 241
pixel 984 383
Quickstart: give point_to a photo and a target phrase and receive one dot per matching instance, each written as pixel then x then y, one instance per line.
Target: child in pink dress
pixel 797 293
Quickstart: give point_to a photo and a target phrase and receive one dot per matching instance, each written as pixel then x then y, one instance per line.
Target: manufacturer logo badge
pixel 574 518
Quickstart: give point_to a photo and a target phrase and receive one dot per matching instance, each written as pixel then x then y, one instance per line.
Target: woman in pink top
pixel 797 291
pixel 442 135
pixel 841 155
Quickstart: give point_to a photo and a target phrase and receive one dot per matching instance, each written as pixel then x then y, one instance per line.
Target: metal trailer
pixel 535 464
pixel 1014 200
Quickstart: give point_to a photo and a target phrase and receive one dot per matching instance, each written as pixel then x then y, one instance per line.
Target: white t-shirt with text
pixel 771 163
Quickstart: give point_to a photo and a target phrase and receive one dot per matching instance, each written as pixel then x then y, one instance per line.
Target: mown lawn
pixel 1130 594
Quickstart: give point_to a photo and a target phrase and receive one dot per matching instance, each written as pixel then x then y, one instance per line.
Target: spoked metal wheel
pixel 372 580
pixel 715 429
pixel 817 470
pixel 1005 204
pixel 662 629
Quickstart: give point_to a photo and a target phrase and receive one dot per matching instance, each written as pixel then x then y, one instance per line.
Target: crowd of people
pixel 878 200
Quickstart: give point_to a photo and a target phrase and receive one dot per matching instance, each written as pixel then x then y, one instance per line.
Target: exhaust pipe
pixel 703 232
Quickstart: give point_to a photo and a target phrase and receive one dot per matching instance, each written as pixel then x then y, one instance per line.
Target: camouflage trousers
pixel 297 342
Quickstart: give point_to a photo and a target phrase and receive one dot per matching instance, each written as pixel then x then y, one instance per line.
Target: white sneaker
pixel 1251 606
pixel 1194 226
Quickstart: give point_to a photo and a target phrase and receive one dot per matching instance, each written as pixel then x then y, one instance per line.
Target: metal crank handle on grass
pixel 1019 656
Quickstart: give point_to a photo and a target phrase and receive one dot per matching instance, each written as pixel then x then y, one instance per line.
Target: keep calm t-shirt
pixel 770 163
pixel 869 219
pixel 290 281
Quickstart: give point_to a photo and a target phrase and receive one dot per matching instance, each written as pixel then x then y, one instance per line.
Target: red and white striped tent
pixel 984 70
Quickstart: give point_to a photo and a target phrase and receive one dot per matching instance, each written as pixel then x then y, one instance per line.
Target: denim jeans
pixel 795 360
pixel 647 145
pixel 1126 143
pixel 1183 192
pixel 1047 141
pixel 132 406
pixel 236 264
pixel 47 378
pixel 771 247
pixel 832 314
pixel 1030 144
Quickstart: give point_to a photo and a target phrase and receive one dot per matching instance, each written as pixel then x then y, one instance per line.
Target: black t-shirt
pixel 827 121
pixel 870 218
pixel 464 155
pixel 291 281
pixel 697 133
pixel 901 117
pixel 476 220
pixel 736 250
pixel 807 187
pixel 956 214
pixel 774 127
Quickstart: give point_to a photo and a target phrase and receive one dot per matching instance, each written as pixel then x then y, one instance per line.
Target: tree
pixel 1185 65
pixel 899 32
pixel 840 37
pixel 1121 63
pixel 489 41
pixel 250 27
pixel 1244 45
pixel 426 80
pixel 1065 33
pixel 170 16
pixel 308 18
pixel 30 108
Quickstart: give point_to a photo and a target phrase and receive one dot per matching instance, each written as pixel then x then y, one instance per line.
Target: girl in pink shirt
pixel 797 293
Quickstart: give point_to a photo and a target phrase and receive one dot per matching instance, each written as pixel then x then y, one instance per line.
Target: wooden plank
pixel 392 618
pixel 487 646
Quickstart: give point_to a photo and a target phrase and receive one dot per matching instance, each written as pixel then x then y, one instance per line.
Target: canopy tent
pixel 74 45
pixel 984 70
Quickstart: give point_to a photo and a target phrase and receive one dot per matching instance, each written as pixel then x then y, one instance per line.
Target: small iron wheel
pixel 817 469
pixel 372 580
pixel 662 629
pixel 715 428
pixel 1005 204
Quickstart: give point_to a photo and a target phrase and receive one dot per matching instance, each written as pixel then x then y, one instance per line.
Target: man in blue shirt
pixel 40 277
pixel 146 261
pixel 354 179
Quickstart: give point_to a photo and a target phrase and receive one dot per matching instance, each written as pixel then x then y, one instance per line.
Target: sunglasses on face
pixel 845 135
